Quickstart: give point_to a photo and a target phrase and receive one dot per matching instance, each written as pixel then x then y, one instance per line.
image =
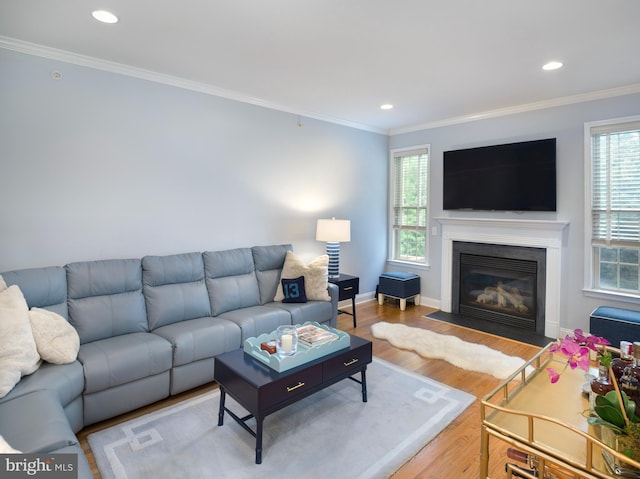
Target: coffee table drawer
pixel 349 361
pixel 290 386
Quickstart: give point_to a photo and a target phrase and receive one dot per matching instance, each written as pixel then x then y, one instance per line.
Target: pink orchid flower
pixel 576 348
pixel 553 375
pixel 578 336
pixel 578 355
pixel 590 341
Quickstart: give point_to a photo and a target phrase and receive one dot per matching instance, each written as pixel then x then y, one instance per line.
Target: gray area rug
pixel 331 434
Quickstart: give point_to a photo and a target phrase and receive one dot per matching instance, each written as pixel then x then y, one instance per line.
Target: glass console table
pixel 546 423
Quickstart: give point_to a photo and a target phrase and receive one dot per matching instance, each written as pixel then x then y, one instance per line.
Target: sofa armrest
pixel 333 293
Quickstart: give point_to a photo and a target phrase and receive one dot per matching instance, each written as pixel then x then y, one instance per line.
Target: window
pixel 409 190
pixel 614 154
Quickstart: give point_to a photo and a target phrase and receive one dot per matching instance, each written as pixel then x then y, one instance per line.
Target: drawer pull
pixel 348 288
pixel 353 361
pixel 293 388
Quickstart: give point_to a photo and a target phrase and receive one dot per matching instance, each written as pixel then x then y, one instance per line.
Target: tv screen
pixel 511 177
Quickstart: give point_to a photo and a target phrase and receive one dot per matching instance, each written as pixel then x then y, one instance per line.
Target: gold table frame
pixel 547 421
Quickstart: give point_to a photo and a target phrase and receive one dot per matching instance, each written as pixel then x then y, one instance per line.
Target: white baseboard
pixel 371 296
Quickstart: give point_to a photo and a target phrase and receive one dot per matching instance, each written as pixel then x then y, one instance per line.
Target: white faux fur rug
pixel 468 356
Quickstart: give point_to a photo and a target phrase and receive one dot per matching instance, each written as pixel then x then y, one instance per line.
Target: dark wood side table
pixel 348 287
pixel 263 391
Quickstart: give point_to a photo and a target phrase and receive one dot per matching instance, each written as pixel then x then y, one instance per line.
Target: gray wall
pixel 100 165
pixel 566 123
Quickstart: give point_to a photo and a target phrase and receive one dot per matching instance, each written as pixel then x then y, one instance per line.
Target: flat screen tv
pixel 511 177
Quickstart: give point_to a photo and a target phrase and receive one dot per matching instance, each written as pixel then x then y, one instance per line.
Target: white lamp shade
pixel 333 230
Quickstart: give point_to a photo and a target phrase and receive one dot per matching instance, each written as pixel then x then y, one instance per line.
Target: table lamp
pixel 333 231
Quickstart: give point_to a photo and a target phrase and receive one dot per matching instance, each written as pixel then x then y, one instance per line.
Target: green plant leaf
pixel 604 401
pixel 606 358
pixel 596 421
pixel 612 397
pixel 611 414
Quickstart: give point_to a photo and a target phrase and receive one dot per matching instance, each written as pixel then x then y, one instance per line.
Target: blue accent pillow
pixel 293 290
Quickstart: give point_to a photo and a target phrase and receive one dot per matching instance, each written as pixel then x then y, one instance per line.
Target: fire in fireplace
pixel 499 283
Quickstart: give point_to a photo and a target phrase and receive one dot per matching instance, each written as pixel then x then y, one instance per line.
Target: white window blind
pixel 615 162
pixel 410 204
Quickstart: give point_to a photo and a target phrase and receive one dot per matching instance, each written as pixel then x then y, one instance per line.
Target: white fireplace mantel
pixel 530 233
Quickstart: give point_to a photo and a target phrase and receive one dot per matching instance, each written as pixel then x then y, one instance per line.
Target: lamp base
pixel 333 251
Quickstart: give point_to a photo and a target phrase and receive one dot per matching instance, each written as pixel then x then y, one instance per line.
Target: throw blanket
pixel 468 356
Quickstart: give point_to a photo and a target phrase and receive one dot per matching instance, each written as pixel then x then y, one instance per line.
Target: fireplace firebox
pixel 499 283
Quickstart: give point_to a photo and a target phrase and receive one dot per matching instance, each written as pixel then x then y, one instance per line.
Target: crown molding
pixel 9 43
pixel 526 107
pixel 21 46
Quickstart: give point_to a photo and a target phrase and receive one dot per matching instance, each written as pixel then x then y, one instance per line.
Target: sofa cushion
pixel 174 288
pixel 201 338
pixel 256 320
pixel 18 353
pixel 123 359
pixel 66 380
pixel 316 276
pixel 35 423
pixel 268 262
pixel 42 287
pixel 318 311
pixel 56 340
pixel 105 298
pixel 231 280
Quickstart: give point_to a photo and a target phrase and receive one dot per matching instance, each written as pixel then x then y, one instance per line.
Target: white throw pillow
pixel 57 341
pixel 18 353
pixel 5 448
pixel 316 276
pixel 3 285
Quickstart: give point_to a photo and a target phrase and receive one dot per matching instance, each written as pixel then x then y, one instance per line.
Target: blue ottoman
pixel 615 324
pixel 399 285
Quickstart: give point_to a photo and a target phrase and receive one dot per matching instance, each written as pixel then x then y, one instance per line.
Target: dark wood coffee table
pixel 262 391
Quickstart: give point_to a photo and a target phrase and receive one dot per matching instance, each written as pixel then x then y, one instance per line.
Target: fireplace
pixel 548 235
pixel 499 283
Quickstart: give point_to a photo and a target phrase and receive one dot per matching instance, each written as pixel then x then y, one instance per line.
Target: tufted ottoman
pixel 615 324
pixel 399 285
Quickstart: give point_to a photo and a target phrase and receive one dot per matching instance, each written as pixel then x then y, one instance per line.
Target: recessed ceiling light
pixel 552 65
pixel 104 16
pixel 386 106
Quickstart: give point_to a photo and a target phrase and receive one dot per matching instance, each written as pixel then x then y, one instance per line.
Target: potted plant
pixel 613 411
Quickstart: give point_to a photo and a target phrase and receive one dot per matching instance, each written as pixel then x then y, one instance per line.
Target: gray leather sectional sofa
pixel 149 328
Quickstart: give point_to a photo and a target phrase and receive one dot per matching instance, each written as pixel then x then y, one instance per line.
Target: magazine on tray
pixel 311 336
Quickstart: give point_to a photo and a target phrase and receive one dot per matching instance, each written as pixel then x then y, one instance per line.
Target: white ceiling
pixel 437 61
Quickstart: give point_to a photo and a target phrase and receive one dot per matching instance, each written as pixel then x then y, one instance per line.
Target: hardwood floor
pixel 454 453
